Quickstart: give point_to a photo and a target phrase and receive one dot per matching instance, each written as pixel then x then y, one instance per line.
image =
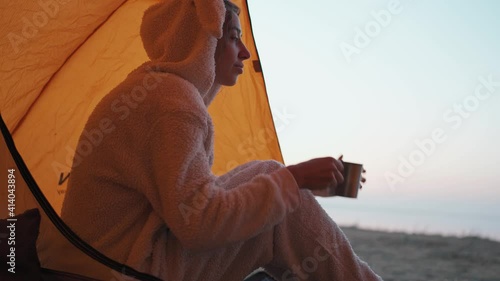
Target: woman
pixel 147 191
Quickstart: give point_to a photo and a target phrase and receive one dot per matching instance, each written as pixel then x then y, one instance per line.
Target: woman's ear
pixel 211 14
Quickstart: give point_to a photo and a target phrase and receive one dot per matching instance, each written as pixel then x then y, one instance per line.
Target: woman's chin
pixel 228 82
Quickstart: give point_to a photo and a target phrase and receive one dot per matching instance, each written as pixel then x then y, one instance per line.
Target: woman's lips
pixel 239 67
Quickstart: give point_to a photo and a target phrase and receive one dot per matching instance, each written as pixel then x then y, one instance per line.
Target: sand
pixel 416 257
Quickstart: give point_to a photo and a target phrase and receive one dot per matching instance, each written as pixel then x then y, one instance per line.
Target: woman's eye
pixel 234 36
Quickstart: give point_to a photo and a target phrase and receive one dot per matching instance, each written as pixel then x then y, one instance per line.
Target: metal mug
pixel 349 188
pixel 352 180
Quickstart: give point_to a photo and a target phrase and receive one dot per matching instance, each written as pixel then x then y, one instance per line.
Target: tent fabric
pixel 58 59
pixel 54 251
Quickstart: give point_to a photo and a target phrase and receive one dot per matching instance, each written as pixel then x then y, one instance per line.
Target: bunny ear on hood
pixel 180 37
pixel 211 15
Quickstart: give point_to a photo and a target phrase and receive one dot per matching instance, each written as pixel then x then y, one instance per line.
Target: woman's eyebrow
pixel 237 29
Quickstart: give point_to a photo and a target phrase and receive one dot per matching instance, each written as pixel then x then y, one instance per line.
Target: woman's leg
pixel 307 245
pixel 233 262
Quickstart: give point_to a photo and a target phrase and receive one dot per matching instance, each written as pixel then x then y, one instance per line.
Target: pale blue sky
pixel 396 90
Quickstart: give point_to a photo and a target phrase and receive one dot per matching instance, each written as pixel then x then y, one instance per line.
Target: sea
pixel 418 215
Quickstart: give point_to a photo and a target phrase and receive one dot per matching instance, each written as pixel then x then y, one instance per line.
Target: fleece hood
pixel 180 37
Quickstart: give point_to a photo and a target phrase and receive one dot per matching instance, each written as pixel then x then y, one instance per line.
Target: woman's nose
pixel 244 53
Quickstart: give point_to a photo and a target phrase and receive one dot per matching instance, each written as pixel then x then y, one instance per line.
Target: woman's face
pixel 230 54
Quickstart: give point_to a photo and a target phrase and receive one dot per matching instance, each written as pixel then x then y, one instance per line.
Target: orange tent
pixel 58 59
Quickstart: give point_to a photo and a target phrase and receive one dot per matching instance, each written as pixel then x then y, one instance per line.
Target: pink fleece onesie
pixel 146 195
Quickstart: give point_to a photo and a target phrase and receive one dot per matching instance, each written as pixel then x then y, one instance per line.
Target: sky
pixel 410 89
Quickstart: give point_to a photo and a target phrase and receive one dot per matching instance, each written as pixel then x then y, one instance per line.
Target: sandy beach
pixel 415 257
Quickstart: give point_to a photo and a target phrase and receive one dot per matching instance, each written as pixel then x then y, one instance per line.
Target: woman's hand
pixel 318 173
pixel 363 179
